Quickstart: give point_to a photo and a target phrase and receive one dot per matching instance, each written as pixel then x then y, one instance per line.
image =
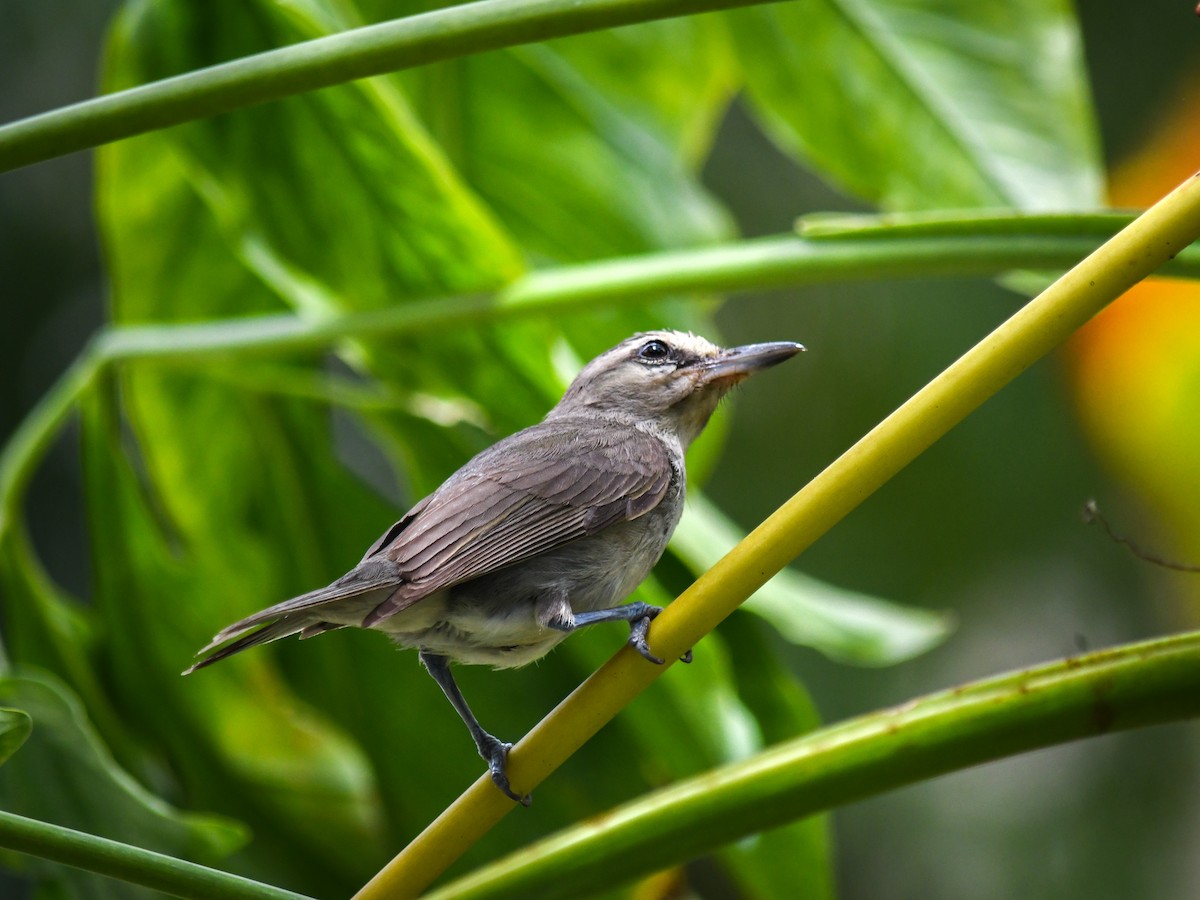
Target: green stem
pixel 1127 687
pixel 961 248
pixel 1156 236
pixel 784 261
pixel 361 52
pixel 977 221
pixel 130 864
pixel 36 433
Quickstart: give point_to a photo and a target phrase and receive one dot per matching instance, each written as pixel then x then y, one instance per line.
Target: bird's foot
pixel 495 753
pixel 640 628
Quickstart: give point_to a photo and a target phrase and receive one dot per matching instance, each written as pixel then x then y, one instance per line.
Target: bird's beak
pixel 738 363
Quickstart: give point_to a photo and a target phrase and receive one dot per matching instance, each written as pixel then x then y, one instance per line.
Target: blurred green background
pixel 985 525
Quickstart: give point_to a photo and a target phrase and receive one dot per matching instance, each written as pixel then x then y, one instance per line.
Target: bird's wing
pixel 541 488
pixel 537 490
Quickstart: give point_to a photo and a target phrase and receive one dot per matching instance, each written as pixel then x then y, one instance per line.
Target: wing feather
pixel 540 489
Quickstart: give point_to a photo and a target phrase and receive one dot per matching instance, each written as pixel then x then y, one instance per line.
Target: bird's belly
pixel 498 619
pixel 474 629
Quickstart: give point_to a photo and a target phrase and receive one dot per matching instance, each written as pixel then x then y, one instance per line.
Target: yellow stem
pixel 1042 324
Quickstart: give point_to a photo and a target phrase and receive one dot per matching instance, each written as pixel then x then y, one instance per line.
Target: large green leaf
pixel 595 181
pixel 64 774
pixel 46 628
pixel 928 103
pixel 230 472
pixel 347 188
pixel 223 217
pixel 235 738
pixel 587 146
pixel 334 200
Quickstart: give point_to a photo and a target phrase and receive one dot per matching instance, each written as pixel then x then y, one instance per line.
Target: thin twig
pixel 1092 514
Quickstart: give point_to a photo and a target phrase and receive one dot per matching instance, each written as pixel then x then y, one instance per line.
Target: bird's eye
pixel 654 351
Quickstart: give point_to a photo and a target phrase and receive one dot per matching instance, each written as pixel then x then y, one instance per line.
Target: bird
pixel 546 531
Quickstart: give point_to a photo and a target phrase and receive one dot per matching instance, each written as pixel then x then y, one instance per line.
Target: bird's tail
pixel 300 614
pixel 264 635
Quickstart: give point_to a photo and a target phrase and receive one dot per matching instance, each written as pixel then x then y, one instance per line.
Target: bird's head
pixel 670 378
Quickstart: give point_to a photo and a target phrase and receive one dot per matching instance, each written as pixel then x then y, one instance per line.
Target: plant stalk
pixel 391 46
pixel 1133 686
pixel 133 865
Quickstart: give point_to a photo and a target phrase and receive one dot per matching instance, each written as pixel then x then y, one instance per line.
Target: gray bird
pixel 544 532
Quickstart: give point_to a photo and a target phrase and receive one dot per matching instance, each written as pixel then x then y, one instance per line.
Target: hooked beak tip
pixel 741 362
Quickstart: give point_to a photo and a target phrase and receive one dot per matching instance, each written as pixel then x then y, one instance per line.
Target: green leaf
pixel 587 146
pixel 64 774
pixel 844 625
pixel 598 181
pixel 914 104
pixel 251 484
pixel 386 216
pixel 15 725
pixel 45 627
pixel 235 737
pixel 332 201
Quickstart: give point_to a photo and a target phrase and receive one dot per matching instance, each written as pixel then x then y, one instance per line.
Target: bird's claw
pixel 495 753
pixel 638 629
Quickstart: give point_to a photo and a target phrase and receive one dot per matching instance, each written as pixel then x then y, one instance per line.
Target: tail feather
pixel 264 635
pixel 363 579
pixel 299 614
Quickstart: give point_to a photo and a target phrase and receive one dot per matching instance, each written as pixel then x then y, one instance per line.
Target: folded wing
pixel 537 490
pixel 540 489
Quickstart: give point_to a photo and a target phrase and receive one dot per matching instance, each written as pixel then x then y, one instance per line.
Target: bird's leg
pixel 492 749
pixel 638 615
